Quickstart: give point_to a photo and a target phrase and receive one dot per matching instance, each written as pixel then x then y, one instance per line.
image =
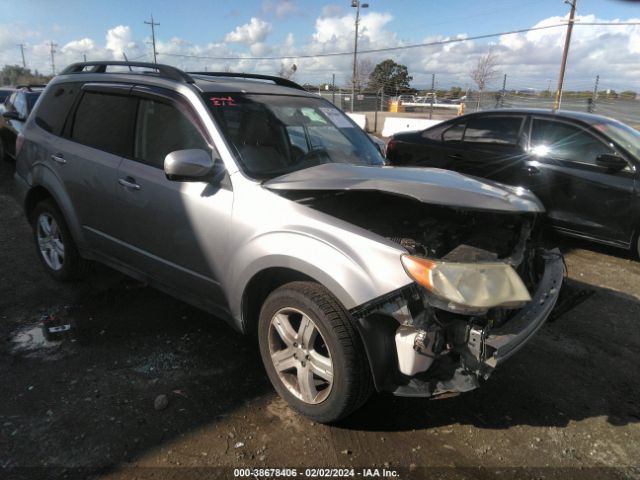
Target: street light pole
pixel 357 5
pixel 565 53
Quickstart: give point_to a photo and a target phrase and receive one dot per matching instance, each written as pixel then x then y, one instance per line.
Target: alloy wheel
pixel 300 355
pixel 50 241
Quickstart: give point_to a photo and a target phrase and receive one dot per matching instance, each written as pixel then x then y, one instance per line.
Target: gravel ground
pixel 567 406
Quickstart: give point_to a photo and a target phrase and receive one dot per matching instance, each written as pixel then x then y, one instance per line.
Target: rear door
pixel 584 197
pixel 491 147
pixel 100 134
pixel 175 231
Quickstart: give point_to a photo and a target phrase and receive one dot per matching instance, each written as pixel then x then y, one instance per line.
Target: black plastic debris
pixel 55 326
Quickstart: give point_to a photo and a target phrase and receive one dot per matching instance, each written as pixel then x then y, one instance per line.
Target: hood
pixel 428 185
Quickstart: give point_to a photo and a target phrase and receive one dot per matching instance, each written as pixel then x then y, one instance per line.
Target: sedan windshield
pixel 625 136
pixel 277 134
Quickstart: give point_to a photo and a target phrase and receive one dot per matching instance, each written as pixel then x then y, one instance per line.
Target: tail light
pixel 391 149
pixel 19 143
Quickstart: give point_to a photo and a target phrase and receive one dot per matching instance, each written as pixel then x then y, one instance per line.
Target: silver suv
pixel 268 207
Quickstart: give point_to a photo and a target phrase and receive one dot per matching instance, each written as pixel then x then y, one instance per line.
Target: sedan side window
pixel 454 134
pixel 162 129
pixel 493 129
pixel 563 141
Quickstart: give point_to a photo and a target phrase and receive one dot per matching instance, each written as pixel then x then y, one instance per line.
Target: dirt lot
pixel 566 406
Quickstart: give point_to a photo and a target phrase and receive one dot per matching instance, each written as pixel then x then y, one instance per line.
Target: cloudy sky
pixel 221 35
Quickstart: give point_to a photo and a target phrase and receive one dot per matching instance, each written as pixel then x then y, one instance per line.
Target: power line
pixel 402 47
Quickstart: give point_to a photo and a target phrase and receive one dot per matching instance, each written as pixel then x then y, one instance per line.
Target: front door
pixel 176 231
pixel 584 198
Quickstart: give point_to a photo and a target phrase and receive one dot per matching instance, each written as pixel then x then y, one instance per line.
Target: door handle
pixel 531 170
pixel 129 183
pixel 58 158
pixel 455 156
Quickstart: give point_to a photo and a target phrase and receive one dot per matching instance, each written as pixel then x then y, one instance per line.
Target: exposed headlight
pixel 475 285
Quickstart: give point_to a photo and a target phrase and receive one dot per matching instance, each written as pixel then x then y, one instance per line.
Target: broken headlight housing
pixel 463 286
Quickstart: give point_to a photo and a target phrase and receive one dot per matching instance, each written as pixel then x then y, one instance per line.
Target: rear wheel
pixel 313 355
pixel 54 244
pixel 3 151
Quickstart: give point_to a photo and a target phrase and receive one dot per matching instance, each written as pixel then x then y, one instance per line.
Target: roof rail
pixel 101 67
pixel 283 82
pixel 30 87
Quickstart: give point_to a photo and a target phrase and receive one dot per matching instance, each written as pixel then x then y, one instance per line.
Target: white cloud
pixel 281 8
pixel 529 59
pixel 255 31
pixel 119 39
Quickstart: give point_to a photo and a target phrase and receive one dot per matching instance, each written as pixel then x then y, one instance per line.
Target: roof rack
pixel 167 71
pixel 283 82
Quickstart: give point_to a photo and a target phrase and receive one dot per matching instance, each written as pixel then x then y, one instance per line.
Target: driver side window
pixel 161 129
pixel 563 141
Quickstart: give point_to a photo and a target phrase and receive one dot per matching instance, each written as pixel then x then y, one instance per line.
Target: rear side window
pixel 454 134
pixel 163 129
pixel 493 129
pixel 55 107
pixel 105 121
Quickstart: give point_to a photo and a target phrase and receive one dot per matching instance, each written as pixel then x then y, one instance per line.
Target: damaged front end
pixel 482 287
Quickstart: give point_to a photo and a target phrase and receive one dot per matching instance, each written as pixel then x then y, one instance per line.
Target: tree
pixel 484 71
pixel 287 72
pixel 392 77
pixel 17 75
pixel 363 70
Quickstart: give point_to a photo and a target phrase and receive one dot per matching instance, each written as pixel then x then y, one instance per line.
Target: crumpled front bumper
pixel 481 350
pixel 501 343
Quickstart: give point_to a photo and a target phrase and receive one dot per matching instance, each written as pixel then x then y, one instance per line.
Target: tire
pixel 3 151
pixel 333 366
pixel 54 245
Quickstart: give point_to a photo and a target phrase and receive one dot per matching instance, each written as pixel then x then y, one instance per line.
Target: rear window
pixel 493 129
pixel 55 107
pixel 105 121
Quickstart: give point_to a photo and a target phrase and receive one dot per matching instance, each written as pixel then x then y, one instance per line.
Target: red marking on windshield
pixel 223 102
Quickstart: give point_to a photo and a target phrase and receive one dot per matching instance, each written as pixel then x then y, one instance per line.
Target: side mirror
pixel 11 115
pixel 613 163
pixel 193 165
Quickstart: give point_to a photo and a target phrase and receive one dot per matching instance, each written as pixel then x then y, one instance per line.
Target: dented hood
pixel 428 185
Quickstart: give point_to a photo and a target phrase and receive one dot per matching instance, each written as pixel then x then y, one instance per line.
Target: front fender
pixel 349 281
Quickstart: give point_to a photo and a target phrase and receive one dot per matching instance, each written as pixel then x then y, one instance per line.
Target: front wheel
pixel 313 355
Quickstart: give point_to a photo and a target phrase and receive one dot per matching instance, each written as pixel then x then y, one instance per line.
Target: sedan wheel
pixel 312 353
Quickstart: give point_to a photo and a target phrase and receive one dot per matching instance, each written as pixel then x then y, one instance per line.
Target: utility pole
pixel 433 94
pixel 84 56
pixel 153 37
pixel 24 64
pixel 504 88
pixel 357 5
pixel 333 89
pixel 594 98
pixel 52 49
pixel 565 52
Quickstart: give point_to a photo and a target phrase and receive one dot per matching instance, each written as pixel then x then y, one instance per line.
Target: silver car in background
pixel 265 205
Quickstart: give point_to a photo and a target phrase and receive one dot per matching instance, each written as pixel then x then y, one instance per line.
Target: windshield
pixel 625 136
pixel 277 134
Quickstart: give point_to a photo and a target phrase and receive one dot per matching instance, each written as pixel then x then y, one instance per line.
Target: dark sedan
pixel 16 109
pixel 583 167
